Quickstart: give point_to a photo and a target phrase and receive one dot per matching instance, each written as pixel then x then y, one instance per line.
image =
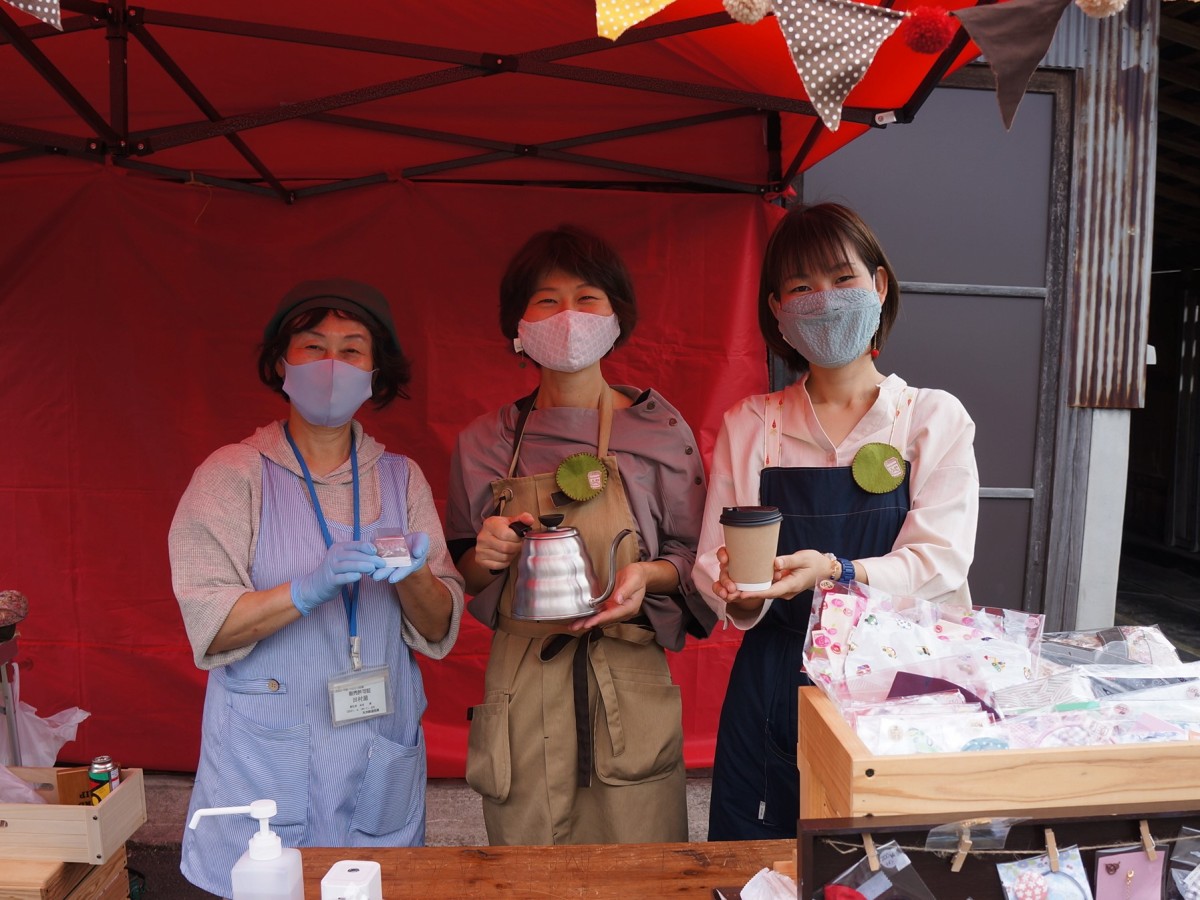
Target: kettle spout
pixel 612 567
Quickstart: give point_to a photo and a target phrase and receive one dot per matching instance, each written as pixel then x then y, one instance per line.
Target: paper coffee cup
pixel 752 541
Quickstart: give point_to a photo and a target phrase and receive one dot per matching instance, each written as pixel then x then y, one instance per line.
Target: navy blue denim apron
pixel 755 785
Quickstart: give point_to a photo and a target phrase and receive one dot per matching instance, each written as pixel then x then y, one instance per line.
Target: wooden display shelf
pixel 840 777
pixel 828 847
pixel 48 880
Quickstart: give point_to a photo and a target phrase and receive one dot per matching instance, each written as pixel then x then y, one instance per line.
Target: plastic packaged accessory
pixel 888 876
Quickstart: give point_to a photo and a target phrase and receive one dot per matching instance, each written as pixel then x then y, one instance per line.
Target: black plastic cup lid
pixel 750 515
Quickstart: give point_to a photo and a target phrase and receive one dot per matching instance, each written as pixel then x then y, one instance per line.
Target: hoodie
pixel 214 534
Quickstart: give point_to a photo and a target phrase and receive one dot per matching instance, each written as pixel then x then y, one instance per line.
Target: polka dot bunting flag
pixel 614 16
pixel 47 10
pixel 833 43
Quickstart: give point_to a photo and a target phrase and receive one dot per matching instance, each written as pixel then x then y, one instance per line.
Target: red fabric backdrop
pixel 130 313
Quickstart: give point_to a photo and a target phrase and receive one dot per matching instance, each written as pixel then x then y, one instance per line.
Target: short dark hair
pixel 392 368
pixel 815 238
pixel 577 252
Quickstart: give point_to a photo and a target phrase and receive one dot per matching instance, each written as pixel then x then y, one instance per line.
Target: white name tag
pixel 355 696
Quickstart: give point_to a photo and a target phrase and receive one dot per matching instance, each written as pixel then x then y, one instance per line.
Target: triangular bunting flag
pixel 1013 36
pixel 614 16
pixel 833 43
pixel 48 11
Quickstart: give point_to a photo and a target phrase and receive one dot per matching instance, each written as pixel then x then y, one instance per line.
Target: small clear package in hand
pixel 392 545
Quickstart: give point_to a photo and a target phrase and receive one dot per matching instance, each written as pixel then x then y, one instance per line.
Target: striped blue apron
pixel 268 732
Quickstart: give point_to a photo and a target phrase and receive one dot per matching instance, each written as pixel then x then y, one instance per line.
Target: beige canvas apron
pixel 613 772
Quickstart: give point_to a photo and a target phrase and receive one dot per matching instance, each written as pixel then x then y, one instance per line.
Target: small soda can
pixel 105 775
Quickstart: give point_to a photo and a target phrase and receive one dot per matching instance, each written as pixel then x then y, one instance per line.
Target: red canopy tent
pixel 441 135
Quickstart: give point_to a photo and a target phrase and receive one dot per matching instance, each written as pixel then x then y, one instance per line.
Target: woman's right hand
pixel 345 563
pixel 497 544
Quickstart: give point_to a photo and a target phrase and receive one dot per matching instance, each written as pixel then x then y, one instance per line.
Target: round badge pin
pixel 581 476
pixel 878 468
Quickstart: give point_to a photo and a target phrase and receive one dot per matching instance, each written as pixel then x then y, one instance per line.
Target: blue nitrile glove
pixel 345 563
pixel 418 549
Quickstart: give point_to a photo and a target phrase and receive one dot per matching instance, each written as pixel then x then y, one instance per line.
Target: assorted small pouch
pixel 1035 878
pixel 1128 873
pixel 860 638
pixel 867 648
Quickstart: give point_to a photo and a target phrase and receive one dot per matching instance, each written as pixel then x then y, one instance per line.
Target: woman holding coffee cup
pixel 579 738
pixel 873 480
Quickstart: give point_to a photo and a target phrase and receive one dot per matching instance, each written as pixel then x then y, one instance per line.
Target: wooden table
pixel 595 871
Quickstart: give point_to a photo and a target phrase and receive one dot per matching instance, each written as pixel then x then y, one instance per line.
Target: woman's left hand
pixel 623 603
pixel 799 571
pixel 418 550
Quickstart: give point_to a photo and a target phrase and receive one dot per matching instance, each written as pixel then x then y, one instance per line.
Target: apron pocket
pixel 489 761
pixel 651 717
pixel 781 788
pixel 392 793
pixel 258 762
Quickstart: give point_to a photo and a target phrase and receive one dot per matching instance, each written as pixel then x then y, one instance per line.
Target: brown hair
pixel 577 252
pixel 392 368
pixel 816 238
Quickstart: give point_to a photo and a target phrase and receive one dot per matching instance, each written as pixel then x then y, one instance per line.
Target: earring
pixel 875 346
pixel 521 357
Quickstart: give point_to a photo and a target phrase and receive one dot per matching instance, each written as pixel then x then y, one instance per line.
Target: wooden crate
pixel 840 777
pixel 64 832
pixel 46 880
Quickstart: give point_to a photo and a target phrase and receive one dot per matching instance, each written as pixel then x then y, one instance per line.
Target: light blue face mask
pixel 327 392
pixel 831 328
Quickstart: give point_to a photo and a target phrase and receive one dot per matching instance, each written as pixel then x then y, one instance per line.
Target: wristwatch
pixel 845 573
pixel 848 572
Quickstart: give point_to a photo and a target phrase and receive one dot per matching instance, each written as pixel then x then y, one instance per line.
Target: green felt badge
pixel 581 476
pixel 878 468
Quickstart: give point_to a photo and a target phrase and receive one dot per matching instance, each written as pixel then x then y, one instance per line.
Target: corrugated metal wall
pixel 1112 204
pixel 1076 33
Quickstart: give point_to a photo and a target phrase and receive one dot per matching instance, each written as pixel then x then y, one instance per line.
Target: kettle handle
pixel 521 530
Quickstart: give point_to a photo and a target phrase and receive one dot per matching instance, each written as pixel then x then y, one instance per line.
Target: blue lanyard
pixel 350 593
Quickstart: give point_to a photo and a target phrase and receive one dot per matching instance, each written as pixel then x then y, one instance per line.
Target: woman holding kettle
pixel 579 738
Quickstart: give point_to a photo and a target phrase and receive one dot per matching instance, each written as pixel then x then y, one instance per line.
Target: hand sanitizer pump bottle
pixel 267 870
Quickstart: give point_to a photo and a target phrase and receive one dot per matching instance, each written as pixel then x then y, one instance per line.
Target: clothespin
pixel 1147 840
pixel 964 847
pixel 872 855
pixel 1052 850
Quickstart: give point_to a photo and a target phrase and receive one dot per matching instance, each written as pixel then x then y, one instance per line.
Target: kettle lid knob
pixel 551 520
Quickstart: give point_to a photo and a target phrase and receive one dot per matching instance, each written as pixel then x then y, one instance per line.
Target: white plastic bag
pixel 40 739
pixel 16 790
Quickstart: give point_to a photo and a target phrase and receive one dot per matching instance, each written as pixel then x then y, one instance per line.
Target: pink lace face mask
pixel 568 341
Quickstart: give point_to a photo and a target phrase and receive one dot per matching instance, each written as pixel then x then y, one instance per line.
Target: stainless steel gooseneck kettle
pixel 554 573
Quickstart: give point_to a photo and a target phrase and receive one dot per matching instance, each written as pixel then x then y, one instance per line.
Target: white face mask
pixel 568 341
pixel 831 328
pixel 328 391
